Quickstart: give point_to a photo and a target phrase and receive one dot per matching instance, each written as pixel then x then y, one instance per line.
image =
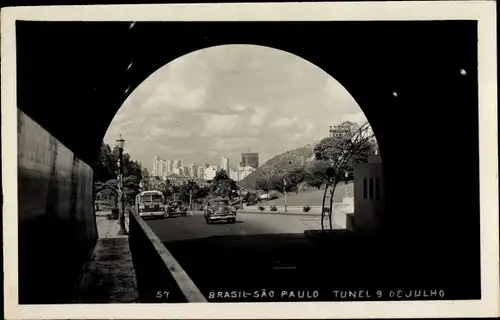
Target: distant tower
pixel 224 163
pixel 250 159
pixel 155 166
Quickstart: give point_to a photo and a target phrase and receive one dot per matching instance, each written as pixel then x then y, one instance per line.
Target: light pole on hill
pixel 345 184
pixel 120 144
pixel 241 198
pixel 190 199
pixel 284 192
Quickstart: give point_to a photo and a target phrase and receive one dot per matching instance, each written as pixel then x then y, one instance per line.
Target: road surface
pixel 236 262
pixel 259 251
pixel 194 227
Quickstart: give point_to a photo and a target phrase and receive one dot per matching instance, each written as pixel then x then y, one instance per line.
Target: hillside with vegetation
pixel 309 166
pixel 288 161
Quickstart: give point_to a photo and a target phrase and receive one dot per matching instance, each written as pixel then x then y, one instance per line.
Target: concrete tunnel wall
pixel 57 227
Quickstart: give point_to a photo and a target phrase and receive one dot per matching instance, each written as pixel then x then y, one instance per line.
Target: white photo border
pixel 482 11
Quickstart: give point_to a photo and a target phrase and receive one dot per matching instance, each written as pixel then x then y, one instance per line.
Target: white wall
pixel 369 204
pixel 233 174
pixel 210 172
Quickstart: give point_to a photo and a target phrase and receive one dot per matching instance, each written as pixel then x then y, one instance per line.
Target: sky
pixel 225 100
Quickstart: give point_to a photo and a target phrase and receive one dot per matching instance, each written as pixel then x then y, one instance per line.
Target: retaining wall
pixel 342 216
pixel 158 273
pixel 56 223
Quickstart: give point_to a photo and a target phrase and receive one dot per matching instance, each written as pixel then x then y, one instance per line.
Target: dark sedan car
pixel 175 208
pixel 219 210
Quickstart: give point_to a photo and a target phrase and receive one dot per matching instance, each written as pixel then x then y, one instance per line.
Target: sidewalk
pixel 346 207
pixel 109 276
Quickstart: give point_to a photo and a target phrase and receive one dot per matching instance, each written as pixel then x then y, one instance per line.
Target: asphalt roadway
pixel 270 253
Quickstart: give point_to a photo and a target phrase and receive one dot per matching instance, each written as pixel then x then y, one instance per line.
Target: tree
pixel 264 184
pixel 111 188
pixel 343 153
pixel 317 173
pixel 145 182
pixel 251 198
pixel 187 190
pixel 223 186
pixel 294 177
pixel 164 187
pixel 220 175
pixel 107 172
pixel 106 165
pixel 202 192
pixel 131 168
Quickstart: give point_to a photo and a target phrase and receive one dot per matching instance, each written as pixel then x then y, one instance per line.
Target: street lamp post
pixel 241 198
pixel 120 144
pixel 345 184
pixel 284 192
pixel 190 199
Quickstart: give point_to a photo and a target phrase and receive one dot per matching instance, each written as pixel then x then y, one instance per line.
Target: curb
pixel 186 285
pixel 278 213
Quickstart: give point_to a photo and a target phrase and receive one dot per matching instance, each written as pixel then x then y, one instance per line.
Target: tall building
pixel 224 164
pixel 170 166
pixel 153 171
pixel 345 129
pixel 178 164
pixel 185 171
pixel 234 174
pixel 157 167
pixel 162 168
pixel 201 172
pixel 250 159
pixel 210 172
pixel 193 171
pixel 244 172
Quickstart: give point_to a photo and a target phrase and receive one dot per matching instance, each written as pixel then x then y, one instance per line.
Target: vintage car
pixel 175 208
pixel 219 210
pixel 150 204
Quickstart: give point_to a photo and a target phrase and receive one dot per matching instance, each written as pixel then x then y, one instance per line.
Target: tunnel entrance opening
pixel 350 141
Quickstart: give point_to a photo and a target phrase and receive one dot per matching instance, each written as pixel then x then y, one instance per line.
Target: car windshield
pixel 151 198
pixel 219 203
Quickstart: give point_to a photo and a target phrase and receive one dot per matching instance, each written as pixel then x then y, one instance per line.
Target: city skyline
pixel 227 100
pixel 162 167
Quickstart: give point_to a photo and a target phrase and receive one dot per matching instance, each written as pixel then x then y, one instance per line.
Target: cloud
pixel 258 117
pixel 219 101
pixel 156 132
pixel 284 122
pixel 176 96
pixel 238 107
pixel 358 117
pixel 232 143
pixel 220 124
pixel 176 132
pixel 306 126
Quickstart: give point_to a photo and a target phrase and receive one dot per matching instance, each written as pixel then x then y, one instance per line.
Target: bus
pixel 150 204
